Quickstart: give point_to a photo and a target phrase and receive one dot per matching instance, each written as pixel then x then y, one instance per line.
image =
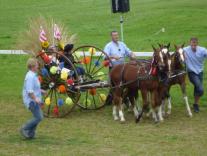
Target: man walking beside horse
pixel 195 56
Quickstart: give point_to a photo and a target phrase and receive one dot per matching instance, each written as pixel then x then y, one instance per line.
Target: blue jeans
pixel 31 125
pixel 197 81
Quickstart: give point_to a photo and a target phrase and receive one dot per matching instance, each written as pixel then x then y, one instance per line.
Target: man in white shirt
pixel 117 50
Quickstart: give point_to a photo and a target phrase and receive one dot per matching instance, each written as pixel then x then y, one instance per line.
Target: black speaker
pixel 120 6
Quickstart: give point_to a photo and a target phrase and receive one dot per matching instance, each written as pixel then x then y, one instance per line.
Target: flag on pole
pixel 42 36
pixel 57 33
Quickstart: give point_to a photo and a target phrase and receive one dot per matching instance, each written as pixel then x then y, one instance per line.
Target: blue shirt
pixel 194 60
pixel 31 85
pixel 117 50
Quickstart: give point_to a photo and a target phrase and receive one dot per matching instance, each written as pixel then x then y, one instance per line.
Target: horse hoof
pixel 190 115
pixel 116 118
pixel 122 121
pixel 129 110
pixel 138 118
pixel 169 112
pixel 156 121
pixel 161 120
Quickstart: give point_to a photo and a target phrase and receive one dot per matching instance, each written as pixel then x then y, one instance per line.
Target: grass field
pixel 95 133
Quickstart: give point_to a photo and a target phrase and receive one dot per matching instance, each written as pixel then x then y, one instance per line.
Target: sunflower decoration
pixel 61 46
pixel 45 44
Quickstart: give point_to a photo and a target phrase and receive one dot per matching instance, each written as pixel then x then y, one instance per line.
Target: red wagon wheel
pixel 58 77
pixel 92 67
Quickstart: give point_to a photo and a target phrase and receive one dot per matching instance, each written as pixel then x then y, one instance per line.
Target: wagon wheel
pixel 92 66
pixel 57 76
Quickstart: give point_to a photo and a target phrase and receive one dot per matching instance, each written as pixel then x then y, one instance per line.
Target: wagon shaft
pixel 102 84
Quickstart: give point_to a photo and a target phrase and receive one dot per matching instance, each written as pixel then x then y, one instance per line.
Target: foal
pixel 177 77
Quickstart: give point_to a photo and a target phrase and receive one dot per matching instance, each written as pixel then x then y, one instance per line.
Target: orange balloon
pixel 62 89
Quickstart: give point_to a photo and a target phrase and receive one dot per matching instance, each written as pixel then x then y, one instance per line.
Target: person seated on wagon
pixel 195 56
pixel 68 53
pixel 117 50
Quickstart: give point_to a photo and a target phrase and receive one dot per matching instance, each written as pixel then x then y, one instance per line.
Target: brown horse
pixel 177 77
pixel 128 74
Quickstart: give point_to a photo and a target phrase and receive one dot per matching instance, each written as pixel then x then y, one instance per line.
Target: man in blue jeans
pixel 32 99
pixel 195 56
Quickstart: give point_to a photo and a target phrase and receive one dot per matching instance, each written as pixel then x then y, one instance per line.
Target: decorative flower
pixel 70 82
pixel 53 70
pixel 102 97
pixel 61 89
pixel 68 101
pixel 61 46
pixel 60 102
pixel 86 60
pixel 80 70
pixel 44 72
pixel 46 59
pixel 64 75
pixel 100 75
pixel 87 102
pixel 47 101
pixel 92 91
pixel 106 63
pixel 56 111
pixel 92 50
pixel 45 44
pixel 97 63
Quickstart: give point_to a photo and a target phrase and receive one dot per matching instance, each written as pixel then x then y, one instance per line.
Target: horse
pixel 125 76
pixel 163 76
pixel 160 85
pixel 177 66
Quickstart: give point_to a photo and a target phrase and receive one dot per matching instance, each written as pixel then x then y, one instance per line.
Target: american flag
pixel 57 33
pixel 42 36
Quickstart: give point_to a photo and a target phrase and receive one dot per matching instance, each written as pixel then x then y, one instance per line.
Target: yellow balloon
pixel 68 101
pixel 102 97
pixel 92 50
pixel 64 75
pixel 47 101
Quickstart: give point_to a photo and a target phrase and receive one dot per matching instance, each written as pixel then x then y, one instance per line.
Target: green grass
pixel 95 132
